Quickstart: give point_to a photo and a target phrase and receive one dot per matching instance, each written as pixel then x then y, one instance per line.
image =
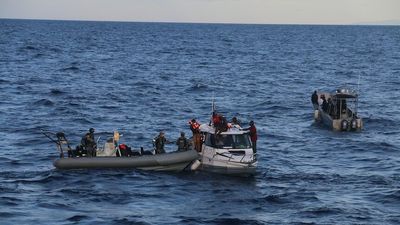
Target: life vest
pixel 194 125
pixel 217 119
pixel 122 147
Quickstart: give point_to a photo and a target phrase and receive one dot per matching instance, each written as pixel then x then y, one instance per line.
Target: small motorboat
pixel 226 152
pixel 229 152
pixel 107 157
pixel 338 110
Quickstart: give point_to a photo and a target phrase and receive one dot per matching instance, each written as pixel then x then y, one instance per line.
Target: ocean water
pixel 141 78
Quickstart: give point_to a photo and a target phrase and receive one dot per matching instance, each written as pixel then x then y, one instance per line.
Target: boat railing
pixel 60 140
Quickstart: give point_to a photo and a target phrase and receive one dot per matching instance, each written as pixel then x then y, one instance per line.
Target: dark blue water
pixel 141 78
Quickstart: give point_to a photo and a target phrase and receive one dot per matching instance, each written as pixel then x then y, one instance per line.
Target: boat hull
pixel 220 161
pixel 175 161
pixel 336 124
pixel 229 170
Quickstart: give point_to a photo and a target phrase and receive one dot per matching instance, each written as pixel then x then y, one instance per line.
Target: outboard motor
pixel 344 125
pixel 354 124
pixel 316 115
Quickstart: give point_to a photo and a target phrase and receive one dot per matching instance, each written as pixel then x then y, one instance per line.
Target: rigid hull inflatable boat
pixel 108 157
pixel 174 161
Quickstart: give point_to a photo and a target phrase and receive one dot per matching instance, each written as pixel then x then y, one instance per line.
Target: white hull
pixel 225 162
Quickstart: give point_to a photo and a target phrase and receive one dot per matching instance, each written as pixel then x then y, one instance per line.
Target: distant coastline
pixel 380 23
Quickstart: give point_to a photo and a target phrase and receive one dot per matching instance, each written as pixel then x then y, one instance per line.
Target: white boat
pixel 342 113
pixel 229 152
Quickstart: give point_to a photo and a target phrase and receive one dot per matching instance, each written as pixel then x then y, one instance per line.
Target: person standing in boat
pixel 321 100
pixel 325 105
pixel 88 143
pixel 235 121
pixel 195 128
pixel 182 142
pixel 330 107
pixel 160 142
pixel 314 100
pixel 253 135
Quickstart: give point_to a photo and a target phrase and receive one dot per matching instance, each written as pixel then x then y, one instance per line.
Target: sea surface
pixel 141 78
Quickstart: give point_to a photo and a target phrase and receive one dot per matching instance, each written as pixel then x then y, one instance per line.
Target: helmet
pixel 91 130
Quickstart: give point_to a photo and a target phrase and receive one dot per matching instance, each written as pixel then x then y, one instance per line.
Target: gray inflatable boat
pixel 174 161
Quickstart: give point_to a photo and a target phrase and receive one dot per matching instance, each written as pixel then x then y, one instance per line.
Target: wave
pixel 380 121
pixel 78 218
pixel 129 221
pixel 29 47
pixel 143 84
pixel 2 81
pixel 70 68
pixel 234 221
pixel 56 50
pixel 38 55
pixel 323 211
pixel 43 102
pixel 56 92
pixel 82 121
pixel 275 199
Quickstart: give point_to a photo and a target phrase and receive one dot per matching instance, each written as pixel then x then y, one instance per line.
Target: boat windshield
pixel 231 141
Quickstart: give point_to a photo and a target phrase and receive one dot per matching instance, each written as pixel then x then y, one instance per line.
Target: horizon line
pixel 216 23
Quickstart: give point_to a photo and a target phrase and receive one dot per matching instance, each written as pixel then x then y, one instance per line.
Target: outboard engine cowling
pixel 344 125
pixel 354 124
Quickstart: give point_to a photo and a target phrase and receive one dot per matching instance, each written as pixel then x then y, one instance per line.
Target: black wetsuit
pixel 314 98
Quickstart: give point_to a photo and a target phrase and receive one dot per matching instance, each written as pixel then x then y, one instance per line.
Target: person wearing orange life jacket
pixel 217 121
pixel 195 128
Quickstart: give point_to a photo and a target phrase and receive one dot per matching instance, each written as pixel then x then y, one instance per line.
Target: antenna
pixel 358 92
pixel 213 108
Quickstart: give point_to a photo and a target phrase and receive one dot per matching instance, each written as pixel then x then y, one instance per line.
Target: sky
pixel 209 11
